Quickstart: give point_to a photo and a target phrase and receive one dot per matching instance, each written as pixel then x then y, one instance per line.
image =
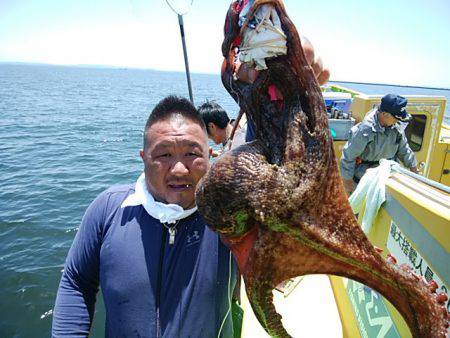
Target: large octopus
pixel 279 202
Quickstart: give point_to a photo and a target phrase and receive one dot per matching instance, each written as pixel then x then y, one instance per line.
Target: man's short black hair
pixel 210 111
pixel 173 105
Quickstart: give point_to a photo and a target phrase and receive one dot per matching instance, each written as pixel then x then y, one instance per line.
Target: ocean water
pixel 66 134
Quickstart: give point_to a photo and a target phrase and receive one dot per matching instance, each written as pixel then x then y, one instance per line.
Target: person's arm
pixel 354 147
pixel 322 74
pixel 406 155
pixel 75 300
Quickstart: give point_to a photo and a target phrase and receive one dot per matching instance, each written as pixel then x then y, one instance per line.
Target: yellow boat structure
pixel 413 224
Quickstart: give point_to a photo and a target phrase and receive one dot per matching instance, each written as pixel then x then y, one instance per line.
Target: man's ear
pixel 211 126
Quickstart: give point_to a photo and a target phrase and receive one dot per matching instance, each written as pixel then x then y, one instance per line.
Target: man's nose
pixel 179 168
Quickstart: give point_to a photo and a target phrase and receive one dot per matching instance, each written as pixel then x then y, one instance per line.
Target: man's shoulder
pixel 369 123
pixel 364 128
pixel 121 189
pixel 400 128
pixel 116 194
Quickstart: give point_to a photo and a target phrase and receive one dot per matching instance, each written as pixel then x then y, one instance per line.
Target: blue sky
pixel 399 42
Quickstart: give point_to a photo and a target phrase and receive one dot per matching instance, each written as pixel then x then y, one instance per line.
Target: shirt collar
pixel 165 213
pixel 376 126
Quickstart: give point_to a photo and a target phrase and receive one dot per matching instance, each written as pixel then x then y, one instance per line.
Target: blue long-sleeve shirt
pixel 150 288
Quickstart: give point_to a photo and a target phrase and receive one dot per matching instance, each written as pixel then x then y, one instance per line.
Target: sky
pixel 405 42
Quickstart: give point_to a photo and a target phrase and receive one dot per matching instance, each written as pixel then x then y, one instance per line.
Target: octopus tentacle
pixel 261 299
pixel 280 204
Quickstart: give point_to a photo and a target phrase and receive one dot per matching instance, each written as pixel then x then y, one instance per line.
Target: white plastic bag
pixel 372 189
pixel 265 41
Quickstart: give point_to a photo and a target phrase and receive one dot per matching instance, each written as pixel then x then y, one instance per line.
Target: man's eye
pixel 164 155
pixel 193 154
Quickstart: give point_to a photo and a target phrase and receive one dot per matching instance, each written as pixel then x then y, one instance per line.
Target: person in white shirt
pixel 220 127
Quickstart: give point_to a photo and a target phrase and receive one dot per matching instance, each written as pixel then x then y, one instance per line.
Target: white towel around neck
pixel 165 213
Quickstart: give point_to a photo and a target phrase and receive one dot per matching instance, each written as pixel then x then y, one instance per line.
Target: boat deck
pixel 308 310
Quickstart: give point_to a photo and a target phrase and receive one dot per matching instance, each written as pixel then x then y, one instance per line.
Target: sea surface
pixel 66 134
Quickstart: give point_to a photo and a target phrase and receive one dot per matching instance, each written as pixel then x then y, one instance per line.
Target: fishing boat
pixel 413 224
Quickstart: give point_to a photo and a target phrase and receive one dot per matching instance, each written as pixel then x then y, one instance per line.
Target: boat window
pixel 415 132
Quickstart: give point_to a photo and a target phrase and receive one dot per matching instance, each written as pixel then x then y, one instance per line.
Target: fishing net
pixel 180 7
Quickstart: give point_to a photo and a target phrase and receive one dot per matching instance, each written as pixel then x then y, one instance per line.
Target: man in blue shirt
pixel 378 136
pixel 162 271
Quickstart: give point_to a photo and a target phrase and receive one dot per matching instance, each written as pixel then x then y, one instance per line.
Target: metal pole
pixel 186 62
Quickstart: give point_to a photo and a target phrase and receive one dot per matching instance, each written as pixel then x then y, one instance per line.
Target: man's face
pixel 175 159
pixel 218 135
pixel 387 120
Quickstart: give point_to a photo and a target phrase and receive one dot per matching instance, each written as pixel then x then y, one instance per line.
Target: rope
pixel 266 43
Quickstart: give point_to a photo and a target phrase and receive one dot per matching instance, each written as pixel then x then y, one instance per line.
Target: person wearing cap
pixel 378 136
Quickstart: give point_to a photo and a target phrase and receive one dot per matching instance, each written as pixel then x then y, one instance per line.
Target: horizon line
pixel 201 73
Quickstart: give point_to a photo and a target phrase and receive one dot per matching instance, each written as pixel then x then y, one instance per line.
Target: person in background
pixel 162 271
pixel 378 136
pixel 219 126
